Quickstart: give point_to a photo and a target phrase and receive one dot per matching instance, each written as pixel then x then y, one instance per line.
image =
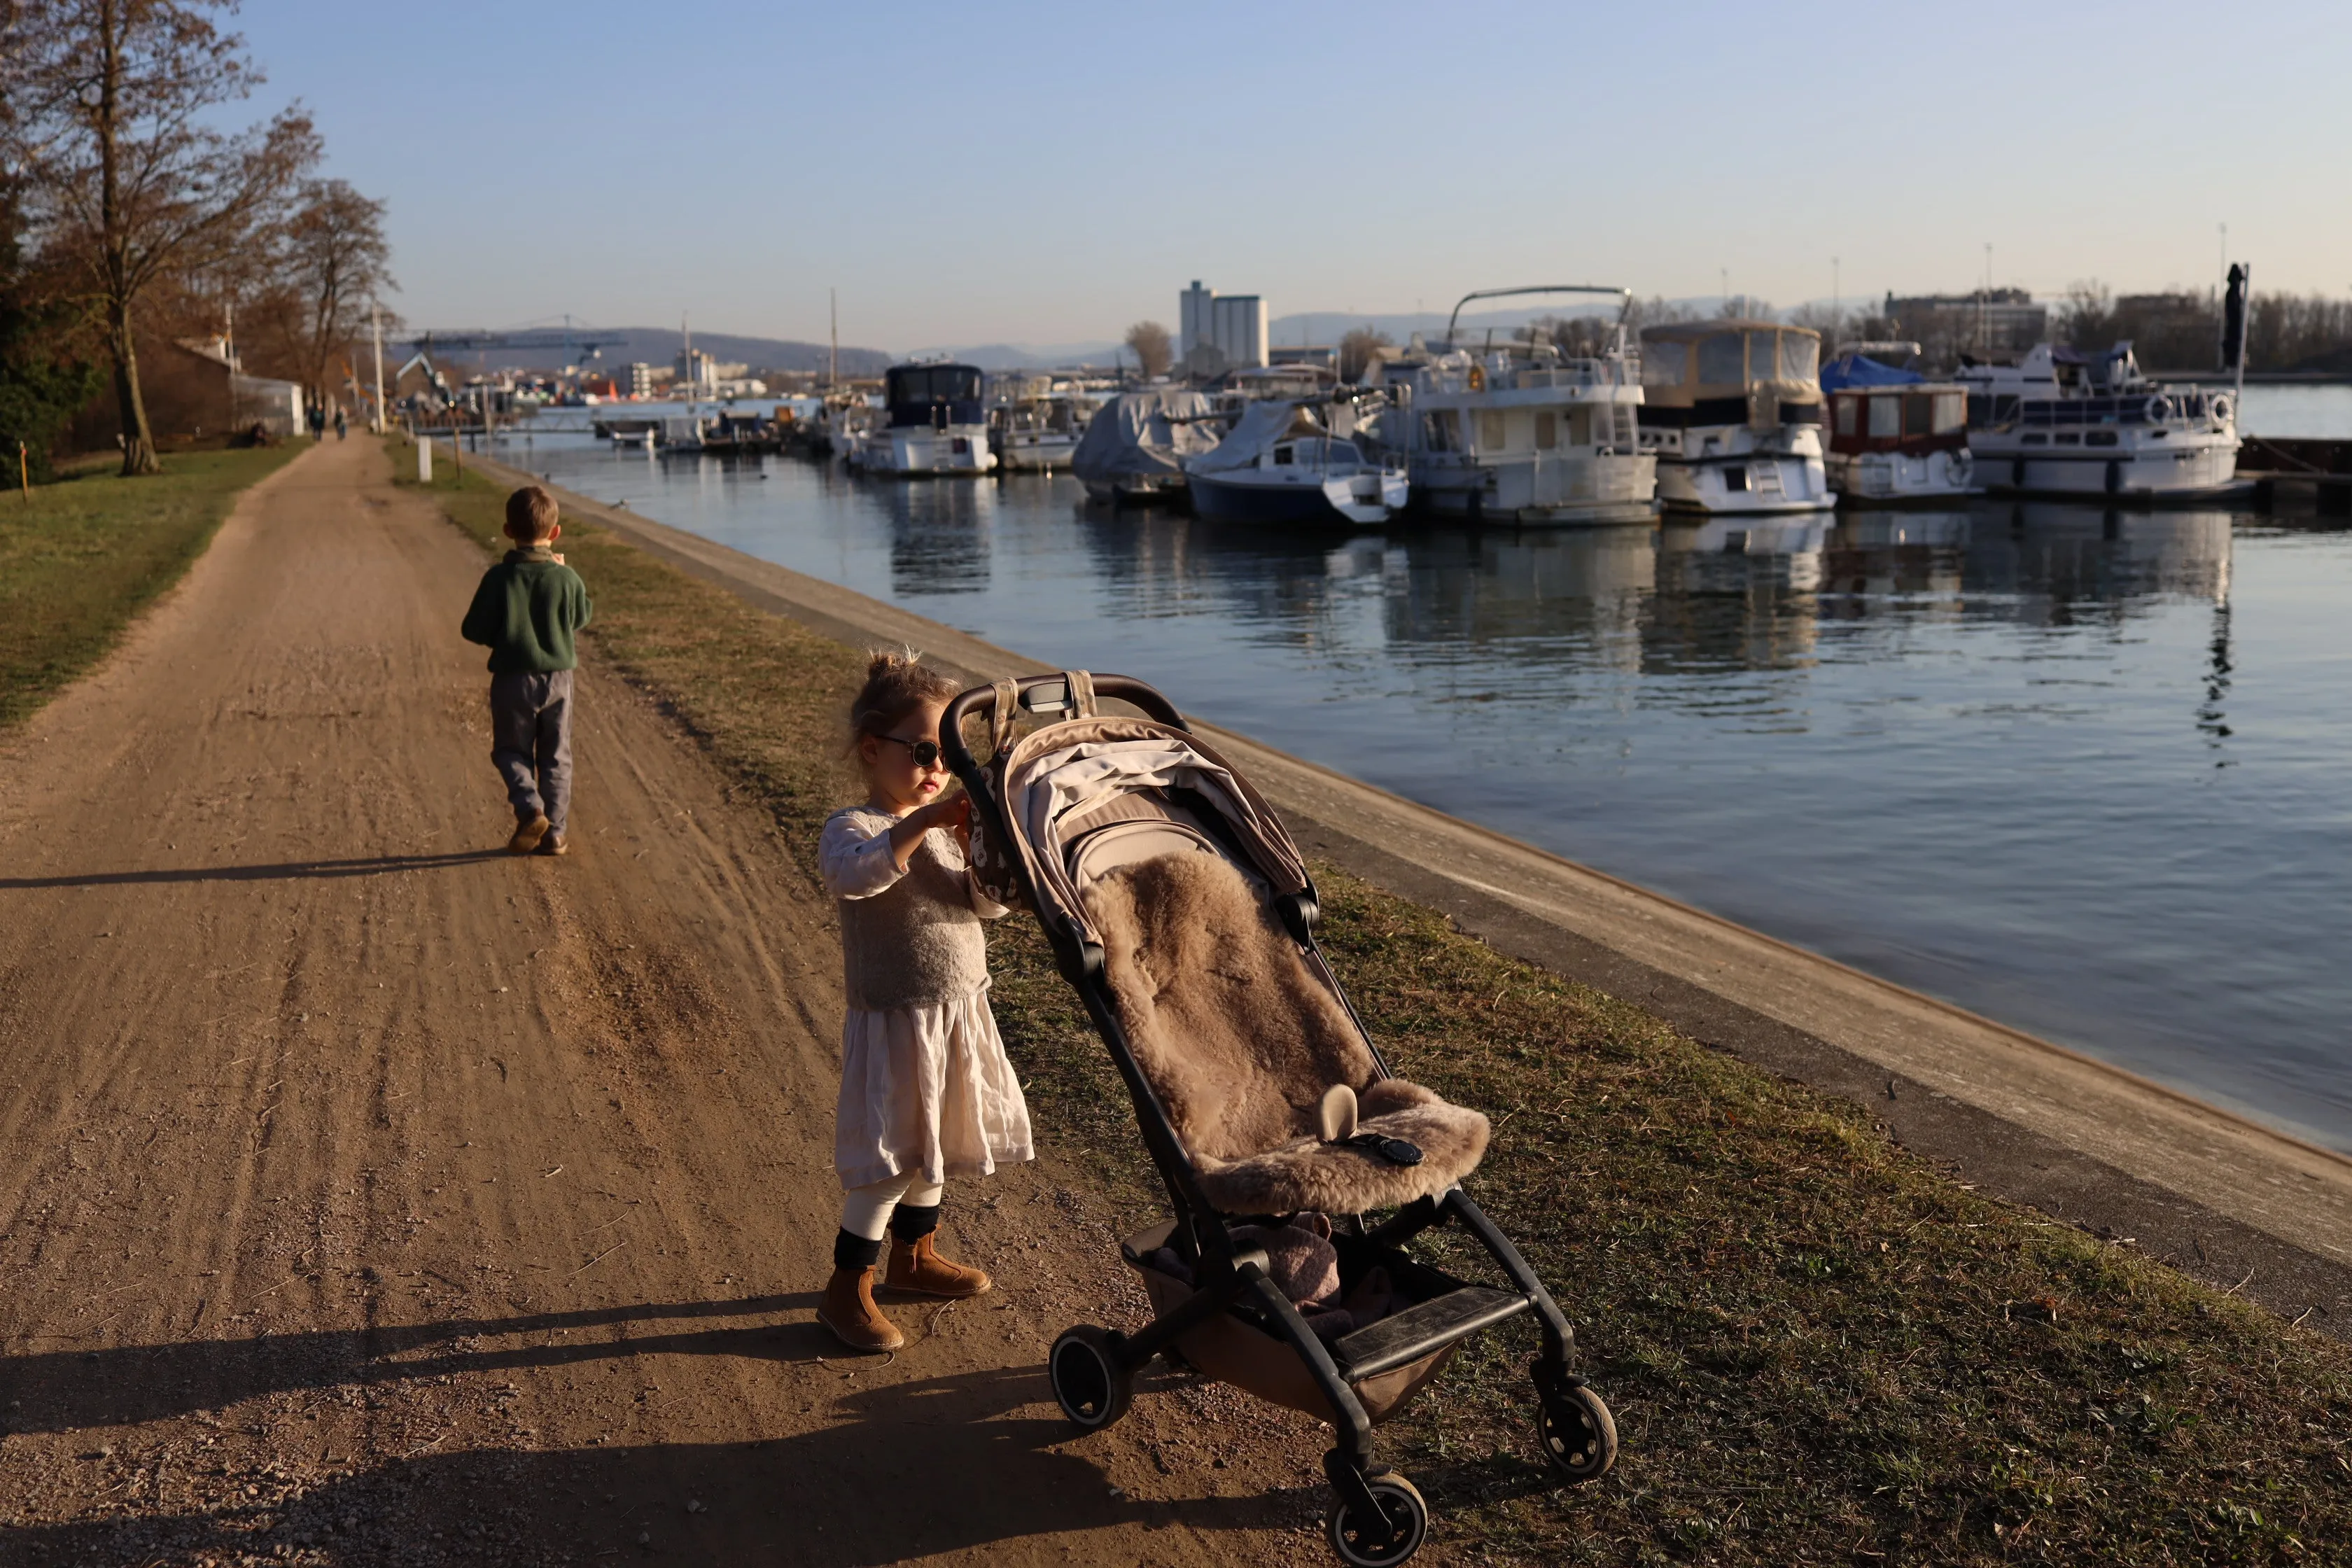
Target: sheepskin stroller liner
pixel 1174 900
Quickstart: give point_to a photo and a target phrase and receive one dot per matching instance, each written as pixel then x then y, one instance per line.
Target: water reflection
pixel 938 533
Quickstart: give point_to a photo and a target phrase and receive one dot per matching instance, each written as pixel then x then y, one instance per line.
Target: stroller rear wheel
pixel 1579 1434
pixel 1091 1384
pixel 1365 1544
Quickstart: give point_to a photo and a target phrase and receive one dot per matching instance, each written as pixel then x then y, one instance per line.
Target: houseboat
pixel 932 424
pixel 2059 423
pixel 1520 431
pixel 1732 411
pixel 1893 436
pixel 1280 464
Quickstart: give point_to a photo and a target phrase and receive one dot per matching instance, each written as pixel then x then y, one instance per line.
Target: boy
pixel 525 611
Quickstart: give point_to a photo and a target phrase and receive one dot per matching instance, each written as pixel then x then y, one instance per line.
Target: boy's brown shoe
pixel 848 1308
pixel 916 1266
pixel 554 844
pixel 527 836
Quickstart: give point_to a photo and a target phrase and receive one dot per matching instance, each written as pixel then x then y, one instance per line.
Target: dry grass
pixel 1820 1349
pixel 79 558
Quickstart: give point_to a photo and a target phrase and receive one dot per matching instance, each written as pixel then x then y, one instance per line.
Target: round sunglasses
pixel 926 753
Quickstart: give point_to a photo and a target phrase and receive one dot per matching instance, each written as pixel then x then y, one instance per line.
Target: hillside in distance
pixel 659 346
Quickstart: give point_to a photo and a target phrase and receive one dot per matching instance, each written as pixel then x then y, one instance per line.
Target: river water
pixel 2084 773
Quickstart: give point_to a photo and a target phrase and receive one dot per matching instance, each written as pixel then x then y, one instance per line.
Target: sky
pixel 1048 175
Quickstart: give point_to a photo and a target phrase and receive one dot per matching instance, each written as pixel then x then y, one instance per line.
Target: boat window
pixel 1441 431
pixel 1718 360
pixel 1490 430
pixel 1282 457
pixel 1951 412
pixel 1799 356
pixel 1845 415
pixel 1886 417
pixel 1919 413
pixel 1546 429
pixel 1663 364
pixel 1762 365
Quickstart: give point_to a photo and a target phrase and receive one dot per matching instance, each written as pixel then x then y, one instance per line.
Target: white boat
pixel 1034 431
pixel 2058 424
pixel 1894 435
pixel 933 425
pixel 1278 464
pixel 1732 410
pixel 1521 431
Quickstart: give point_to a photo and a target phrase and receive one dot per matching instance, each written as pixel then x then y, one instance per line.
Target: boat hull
pixel 1759 484
pixel 1024 453
pixel 1892 479
pixel 956 452
pixel 1364 500
pixel 1137 489
pixel 2188 468
pixel 1563 492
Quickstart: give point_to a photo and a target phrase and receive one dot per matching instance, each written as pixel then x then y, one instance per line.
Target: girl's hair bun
pixel 897 682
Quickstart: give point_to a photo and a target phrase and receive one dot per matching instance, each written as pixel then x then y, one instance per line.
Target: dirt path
pixel 372 1198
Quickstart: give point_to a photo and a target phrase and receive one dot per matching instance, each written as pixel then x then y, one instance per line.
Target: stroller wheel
pixel 1090 1382
pixel 1579 1434
pixel 1362 1543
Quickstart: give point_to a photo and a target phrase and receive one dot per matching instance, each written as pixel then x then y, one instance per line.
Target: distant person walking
pixel 526 612
pixel 339 421
pixel 318 419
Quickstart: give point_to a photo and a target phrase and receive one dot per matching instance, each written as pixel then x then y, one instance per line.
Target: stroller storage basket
pixel 1182 914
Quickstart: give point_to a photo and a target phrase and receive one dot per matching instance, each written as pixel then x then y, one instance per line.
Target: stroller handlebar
pixel 1043 694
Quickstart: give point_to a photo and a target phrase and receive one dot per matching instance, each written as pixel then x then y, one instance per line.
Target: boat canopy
pixel 1260 427
pixel 1861 370
pixel 1685 363
pixel 1147 432
pixel 919 394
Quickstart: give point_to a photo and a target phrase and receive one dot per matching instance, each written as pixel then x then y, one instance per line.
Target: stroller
pixel 1183 913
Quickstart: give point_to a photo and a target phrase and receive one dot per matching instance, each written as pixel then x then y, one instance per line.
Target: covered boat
pixel 1279 464
pixel 1894 434
pixel 1134 450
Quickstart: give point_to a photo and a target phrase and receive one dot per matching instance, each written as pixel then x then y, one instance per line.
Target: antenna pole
pixel 375 322
pixel 833 355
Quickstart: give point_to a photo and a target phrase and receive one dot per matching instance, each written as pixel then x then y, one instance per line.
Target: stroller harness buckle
pixel 1395 1150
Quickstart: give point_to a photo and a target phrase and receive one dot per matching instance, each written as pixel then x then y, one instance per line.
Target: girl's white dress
pixel 925 1088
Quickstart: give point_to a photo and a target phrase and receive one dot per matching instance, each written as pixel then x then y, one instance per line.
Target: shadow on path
pixel 373 865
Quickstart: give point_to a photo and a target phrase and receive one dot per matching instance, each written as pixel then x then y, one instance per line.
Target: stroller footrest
pixel 1422 1328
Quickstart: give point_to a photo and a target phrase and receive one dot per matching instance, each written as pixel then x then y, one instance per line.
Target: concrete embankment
pixel 2218 1196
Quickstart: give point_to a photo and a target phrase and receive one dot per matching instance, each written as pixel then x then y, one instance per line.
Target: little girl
pixel 926 1091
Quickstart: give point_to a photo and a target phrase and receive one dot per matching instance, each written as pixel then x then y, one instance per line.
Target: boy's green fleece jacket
pixel 525 612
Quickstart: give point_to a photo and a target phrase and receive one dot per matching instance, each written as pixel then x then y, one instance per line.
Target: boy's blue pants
pixel 530 740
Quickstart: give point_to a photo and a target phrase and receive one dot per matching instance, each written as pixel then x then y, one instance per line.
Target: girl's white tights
pixel 865 1211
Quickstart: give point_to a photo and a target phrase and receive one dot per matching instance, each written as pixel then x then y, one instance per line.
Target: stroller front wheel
pixel 1091 1384
pixel 1362 1543
pixel 1579 1436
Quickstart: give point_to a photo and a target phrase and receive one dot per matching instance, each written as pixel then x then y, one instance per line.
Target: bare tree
pixel 108 119
pixel 1357 348
pixel 336 255
pixel 1148 342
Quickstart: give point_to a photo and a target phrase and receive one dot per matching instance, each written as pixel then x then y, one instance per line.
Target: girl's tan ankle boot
pixel 848 1308
pixel 916 1266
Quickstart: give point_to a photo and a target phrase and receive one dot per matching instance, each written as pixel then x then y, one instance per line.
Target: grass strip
pixel 1819 1348
pixel 79 558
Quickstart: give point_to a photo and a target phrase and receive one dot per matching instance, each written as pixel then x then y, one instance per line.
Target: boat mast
pixel 833 355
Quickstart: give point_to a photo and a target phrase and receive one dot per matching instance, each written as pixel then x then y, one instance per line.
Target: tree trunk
pixel 137 440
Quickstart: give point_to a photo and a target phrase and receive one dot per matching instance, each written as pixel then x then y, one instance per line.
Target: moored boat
pixel 932 424
pixel 1732 410
pixel 1279 464
pixel 1134 450
pixel 2059 424
pixel 1520 432
pixel 1893 436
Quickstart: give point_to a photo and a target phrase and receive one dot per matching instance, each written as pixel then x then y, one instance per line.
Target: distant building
pixel 1234 325
pixel 642 379
pixel 2000 324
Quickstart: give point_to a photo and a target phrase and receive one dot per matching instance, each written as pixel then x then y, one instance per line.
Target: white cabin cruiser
pixel 1893 436
pixel 2058 424
pixel 1279 465
pixel 933 425
pixel 1520 432
pixel 1732 409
